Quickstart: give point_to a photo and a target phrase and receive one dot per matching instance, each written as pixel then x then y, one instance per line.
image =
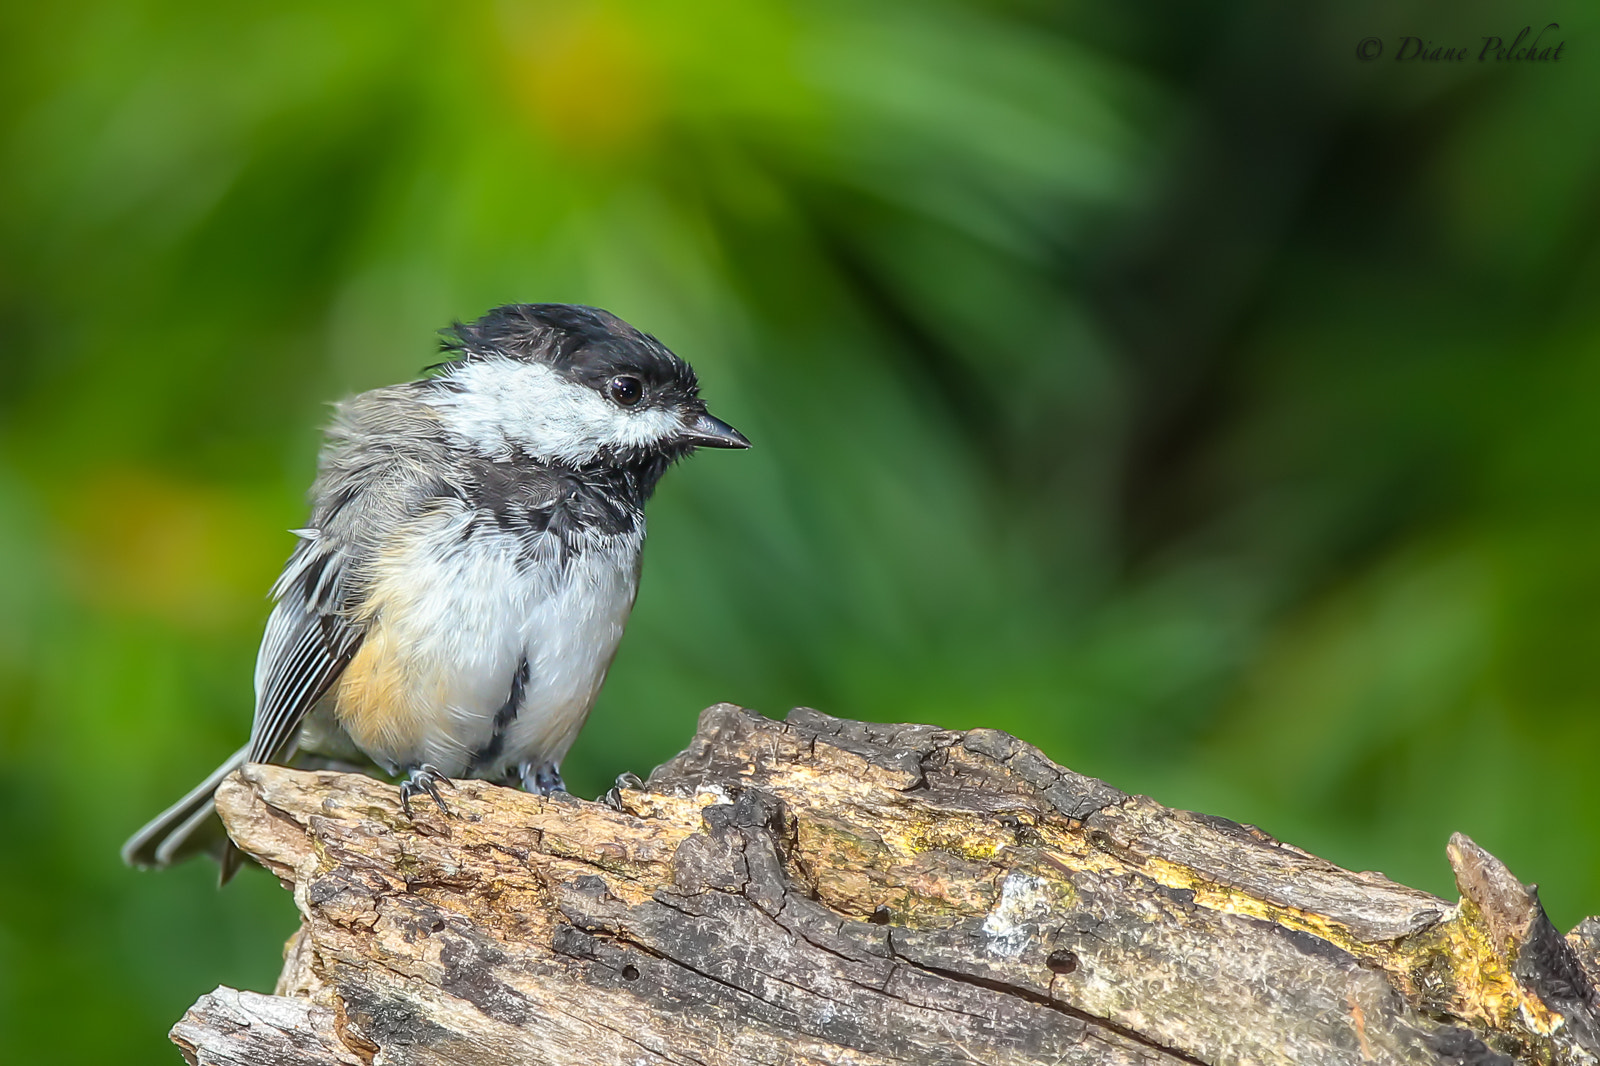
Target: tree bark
pixel 827 891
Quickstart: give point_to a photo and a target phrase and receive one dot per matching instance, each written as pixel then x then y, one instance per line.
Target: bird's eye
pixel 625 391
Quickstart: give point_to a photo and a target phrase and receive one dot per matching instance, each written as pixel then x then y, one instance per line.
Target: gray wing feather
pixel 384 459
pixel 307 645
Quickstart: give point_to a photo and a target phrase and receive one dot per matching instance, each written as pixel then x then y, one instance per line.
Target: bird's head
pixel 562 383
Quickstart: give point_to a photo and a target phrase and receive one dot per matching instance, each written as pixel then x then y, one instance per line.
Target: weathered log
pixel 827 891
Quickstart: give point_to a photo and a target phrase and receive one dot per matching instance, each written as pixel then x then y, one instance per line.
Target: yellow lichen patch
pixel 1070 848
pixel 845 779
pixel 1451 967
pixel 1230 899
pixel 854 870
pixel 973 840
pixel 1456 961
pixel 933 876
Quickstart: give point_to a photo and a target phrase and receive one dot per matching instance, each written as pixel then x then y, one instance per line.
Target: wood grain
pixel 827 891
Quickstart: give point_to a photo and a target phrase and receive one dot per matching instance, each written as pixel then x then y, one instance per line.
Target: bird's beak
pixel 704 431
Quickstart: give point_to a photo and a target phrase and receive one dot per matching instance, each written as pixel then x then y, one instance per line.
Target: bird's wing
pixel 383 463
pixel 308 643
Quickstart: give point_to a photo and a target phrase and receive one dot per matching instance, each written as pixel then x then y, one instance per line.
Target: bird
pixel 457 596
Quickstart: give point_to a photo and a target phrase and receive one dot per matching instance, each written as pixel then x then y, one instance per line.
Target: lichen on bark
pixel 827 891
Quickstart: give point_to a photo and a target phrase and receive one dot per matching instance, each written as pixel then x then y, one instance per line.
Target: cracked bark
pixel 826 891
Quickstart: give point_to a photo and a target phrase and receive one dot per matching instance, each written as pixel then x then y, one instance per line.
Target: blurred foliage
pixel 1161 384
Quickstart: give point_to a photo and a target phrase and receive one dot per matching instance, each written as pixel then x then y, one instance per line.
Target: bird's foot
pixel 613 796
pixel 543 778
pixel 427 779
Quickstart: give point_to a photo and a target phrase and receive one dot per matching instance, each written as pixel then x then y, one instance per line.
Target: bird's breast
pixel 484 645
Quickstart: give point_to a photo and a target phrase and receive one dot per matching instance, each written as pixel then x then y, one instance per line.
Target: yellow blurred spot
pixel 138 541
pixel 583 77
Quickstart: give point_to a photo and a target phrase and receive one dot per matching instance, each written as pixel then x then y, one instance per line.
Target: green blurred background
pixel 1158 382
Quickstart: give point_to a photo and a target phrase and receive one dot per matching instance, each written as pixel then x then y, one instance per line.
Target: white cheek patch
pixel 507 406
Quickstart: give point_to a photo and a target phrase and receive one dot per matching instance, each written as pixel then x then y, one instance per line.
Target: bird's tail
pixel 187 828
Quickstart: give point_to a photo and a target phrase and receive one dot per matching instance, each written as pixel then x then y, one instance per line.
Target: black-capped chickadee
pixel 472 556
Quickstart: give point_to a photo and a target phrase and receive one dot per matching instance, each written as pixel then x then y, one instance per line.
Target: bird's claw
pixel 613 796
pixel 426 779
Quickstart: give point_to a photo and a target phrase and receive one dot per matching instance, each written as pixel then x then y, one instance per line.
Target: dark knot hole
pixel 1062 961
